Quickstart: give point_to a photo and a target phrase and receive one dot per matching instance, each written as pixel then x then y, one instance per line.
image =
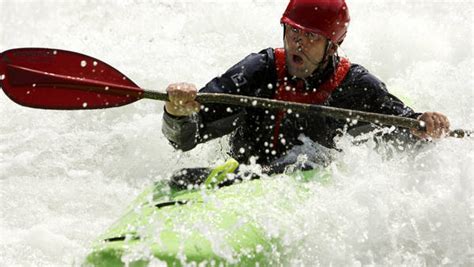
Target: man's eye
pixel 313 36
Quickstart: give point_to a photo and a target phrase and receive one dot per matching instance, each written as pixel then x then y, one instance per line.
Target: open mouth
pixel 297 60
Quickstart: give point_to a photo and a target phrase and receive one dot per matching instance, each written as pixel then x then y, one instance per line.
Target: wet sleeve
pixel 215 120
pixel 365 92
pixel 386 103
pixel 180 131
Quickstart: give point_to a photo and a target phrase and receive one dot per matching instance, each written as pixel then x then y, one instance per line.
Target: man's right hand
pixel 182 99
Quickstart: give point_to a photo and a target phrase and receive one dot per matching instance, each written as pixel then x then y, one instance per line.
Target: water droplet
pixel 254 103
pixel 55 52
pixel 106 88
pixel 2 77
pixel 270 86
pixel 84 105
pixel 94 63
pixel 83 63
pixel 445 261
pixel 33 85
pixel 289 111
pixel 242 150
pixel 274 152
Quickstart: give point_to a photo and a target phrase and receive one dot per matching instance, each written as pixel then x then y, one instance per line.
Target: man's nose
pixel 297 38
pixel 299 43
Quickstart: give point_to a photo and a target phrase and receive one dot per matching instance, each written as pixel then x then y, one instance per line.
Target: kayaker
pixel 308 70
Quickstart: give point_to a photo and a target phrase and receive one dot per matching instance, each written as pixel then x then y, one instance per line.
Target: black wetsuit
pixel 252 128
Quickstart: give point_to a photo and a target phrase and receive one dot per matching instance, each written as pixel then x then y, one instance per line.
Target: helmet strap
pixel 319 69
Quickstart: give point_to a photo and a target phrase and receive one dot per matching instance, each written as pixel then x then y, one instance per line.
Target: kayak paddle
pixel 58 79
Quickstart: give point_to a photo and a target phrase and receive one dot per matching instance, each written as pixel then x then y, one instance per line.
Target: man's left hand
pixel 436 125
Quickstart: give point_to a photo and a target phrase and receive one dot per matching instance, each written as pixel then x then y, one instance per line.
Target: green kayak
pixel 204 225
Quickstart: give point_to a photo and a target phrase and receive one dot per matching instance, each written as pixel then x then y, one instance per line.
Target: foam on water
pixel 66 176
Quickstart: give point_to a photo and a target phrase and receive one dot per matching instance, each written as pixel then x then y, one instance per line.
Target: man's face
pixel 304 51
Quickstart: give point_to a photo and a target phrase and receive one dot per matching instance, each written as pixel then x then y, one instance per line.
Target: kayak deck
pixel 204 226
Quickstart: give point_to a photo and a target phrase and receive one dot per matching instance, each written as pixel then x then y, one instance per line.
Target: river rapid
pixel 65 176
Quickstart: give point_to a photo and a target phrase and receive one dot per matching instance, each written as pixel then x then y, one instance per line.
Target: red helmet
pixel 329 18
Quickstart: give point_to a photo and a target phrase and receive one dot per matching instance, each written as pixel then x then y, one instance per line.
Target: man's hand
pixel 182 99
pixel 436 125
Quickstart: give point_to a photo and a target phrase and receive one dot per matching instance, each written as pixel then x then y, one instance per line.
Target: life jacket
pixel 297 93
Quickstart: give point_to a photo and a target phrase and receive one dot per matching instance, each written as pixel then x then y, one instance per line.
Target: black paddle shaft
pixel 338 113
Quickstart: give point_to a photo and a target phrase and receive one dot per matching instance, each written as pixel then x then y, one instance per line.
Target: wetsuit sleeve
pixel 247 77
pixel 365 92
pixel 180 131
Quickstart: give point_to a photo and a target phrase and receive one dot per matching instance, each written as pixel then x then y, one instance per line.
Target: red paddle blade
pixel 58 79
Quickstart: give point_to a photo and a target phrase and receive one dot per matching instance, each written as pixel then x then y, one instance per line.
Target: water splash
pixel 66 176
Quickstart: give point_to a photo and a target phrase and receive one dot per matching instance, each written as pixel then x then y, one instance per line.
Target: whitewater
pixel 65 176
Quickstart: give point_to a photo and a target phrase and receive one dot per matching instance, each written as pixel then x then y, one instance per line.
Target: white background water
pixel 66 176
